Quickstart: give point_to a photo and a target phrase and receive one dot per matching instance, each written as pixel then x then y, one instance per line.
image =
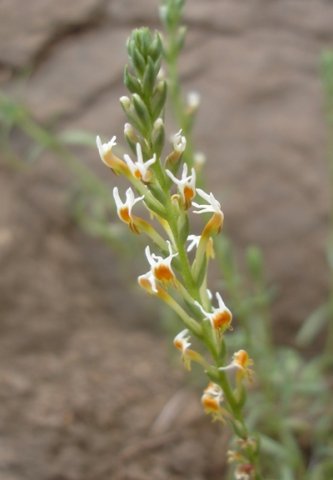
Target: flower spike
pixel 124 209
pixel 186 185
pixel 140 169
pixel 220 318
pixel 164 177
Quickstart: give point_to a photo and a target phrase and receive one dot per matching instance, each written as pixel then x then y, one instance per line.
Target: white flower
pixel 186 185
pixel 214 390
pixel 161 267
pixel 181 341
pixel 179 142
pixel 241 362
pixel 193 242
pixel 124 209
pixel 140 169
pixel 221 317
pixel 105 149
pixel 213 206
pixel 148 282
pixel 244 472
pixel 211 401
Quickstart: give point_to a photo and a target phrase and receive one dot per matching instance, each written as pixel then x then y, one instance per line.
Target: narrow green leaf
pixel 149 79
pixel 141 111
pixel 312 326
pixel 78 137
pixel 159 100
pixel 131 82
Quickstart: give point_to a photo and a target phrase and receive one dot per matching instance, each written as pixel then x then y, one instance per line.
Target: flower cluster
pixel 161 276
pixel 164 194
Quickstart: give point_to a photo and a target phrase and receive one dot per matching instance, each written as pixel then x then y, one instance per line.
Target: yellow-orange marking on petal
pixel 178 344
pixel 242 358
pixel 124 214
pixel 222 320
pixel 210 404
pixel 163 273
pixel 188 192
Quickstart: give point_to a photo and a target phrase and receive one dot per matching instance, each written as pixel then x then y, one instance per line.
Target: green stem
pixel 189 322
pixel 231 400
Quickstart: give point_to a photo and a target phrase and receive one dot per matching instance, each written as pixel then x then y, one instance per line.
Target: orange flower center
pixel 188 193
pixel 222 320
pixel 163 273
pixel 124 214
pixel 242 358
pixel 145 283
pixel 178 344
pixel 210 404
pixel 108 157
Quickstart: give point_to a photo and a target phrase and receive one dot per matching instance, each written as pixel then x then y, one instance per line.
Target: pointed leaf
pixel 313 325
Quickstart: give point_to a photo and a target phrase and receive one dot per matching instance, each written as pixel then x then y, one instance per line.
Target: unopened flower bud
pixel 199 161
pixel 130 133
pixel 193 101
pixel 158 136
pixel 161 74
pixel 179 142
pixel 125 102
pixel 158 123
